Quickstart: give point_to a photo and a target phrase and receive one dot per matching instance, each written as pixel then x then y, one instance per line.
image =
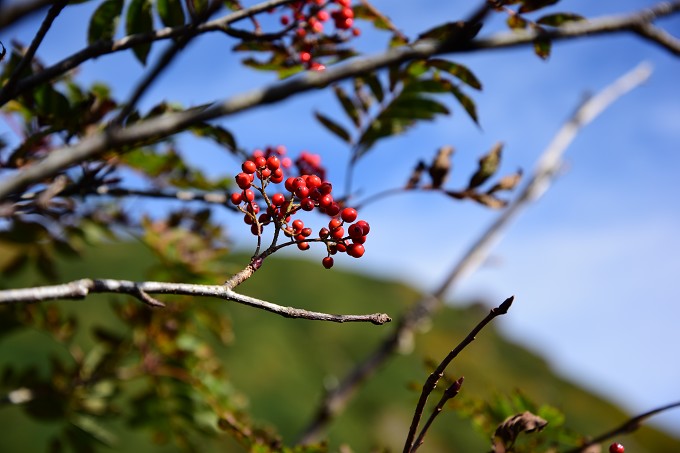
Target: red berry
pixel 338 233
pixel 349 214
pixel 255 229
pixel 273 163
pixel 326 188
pixel 356 32
pixel 260 161
pixel 278 199
pixel 285 20
pixel 365 227
pixel 306 232
pixel 249 167
pixel 289 184
pixel 248 195
pixel 302 192
pixel 313 182
pixel 323 233
pixel 327 262
pixel 323 15
pixel 243 180
pixel 298 225
pixel 307 204
pixel 616 448
pixel 333 209
pixel 236 198
pixel 303 245
pixel 355 231
pixel 325 201
pixel 341 246
pixel 265 173
pixel 334 223
pixel 305 57
pixel 316 66
pixel 355 250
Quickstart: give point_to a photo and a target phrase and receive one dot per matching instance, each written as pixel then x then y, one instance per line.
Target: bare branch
pixel 450 392
pixel 436 375
pixel 659 36
pixel 158 127
pixel 37 40
pixel 548 164
pixel 106 47
pixel 18 10
pixel 80 289
pixel 627 427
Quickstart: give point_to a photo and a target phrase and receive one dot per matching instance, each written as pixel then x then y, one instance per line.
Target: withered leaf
pixel 441 166
pixel 513 426
pixel 488 164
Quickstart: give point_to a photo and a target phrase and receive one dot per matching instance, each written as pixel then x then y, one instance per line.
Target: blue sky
pixel 594 264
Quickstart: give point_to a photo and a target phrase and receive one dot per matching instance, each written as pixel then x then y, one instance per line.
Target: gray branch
pixel 80 289
pixel 166 125
pixel 19 10
pixel 548 165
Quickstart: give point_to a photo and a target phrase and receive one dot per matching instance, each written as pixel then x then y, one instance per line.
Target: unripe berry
pixel 327 262
pixel 349 215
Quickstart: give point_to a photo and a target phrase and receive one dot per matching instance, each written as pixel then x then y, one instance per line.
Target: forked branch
pixel 431 382
pixel 548 165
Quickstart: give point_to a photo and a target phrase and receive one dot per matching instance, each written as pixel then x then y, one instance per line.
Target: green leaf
pixel 347 105
pixel 557 19
pixel 362 12
pixel 334 127
pixel 414 108
pixel 170 12
pixel 374 84
pixel 104 21
pixel 534 5
pixel 542 48
pixel 466 102
pixel 216 133
pixel 459 71
pixel 139 20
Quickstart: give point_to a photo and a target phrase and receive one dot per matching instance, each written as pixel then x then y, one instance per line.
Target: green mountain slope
pixel 282 365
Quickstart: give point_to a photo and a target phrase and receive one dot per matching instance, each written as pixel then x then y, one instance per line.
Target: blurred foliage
pixel 201 375
pixel 138 379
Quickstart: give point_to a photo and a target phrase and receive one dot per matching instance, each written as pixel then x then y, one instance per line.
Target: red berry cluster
pixel 307 192
pixel 310 16
pixel 616 448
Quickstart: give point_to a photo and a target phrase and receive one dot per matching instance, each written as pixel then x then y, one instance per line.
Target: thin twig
pixel 166 125
pixel 548 164
pixel 437 374
pixel 80 289
pixel 450 392
pixel 627 427
pixel 166 58
pixel 26 60
pixel 127 42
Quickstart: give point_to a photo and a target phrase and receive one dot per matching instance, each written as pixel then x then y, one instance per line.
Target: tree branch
pixel 127 42
pixel 438 373
pixel 627 427
pixel 548 164
pixel 659 36
pixel 159 127
pixel 25 62
pixel 19 10
pixel 80 289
